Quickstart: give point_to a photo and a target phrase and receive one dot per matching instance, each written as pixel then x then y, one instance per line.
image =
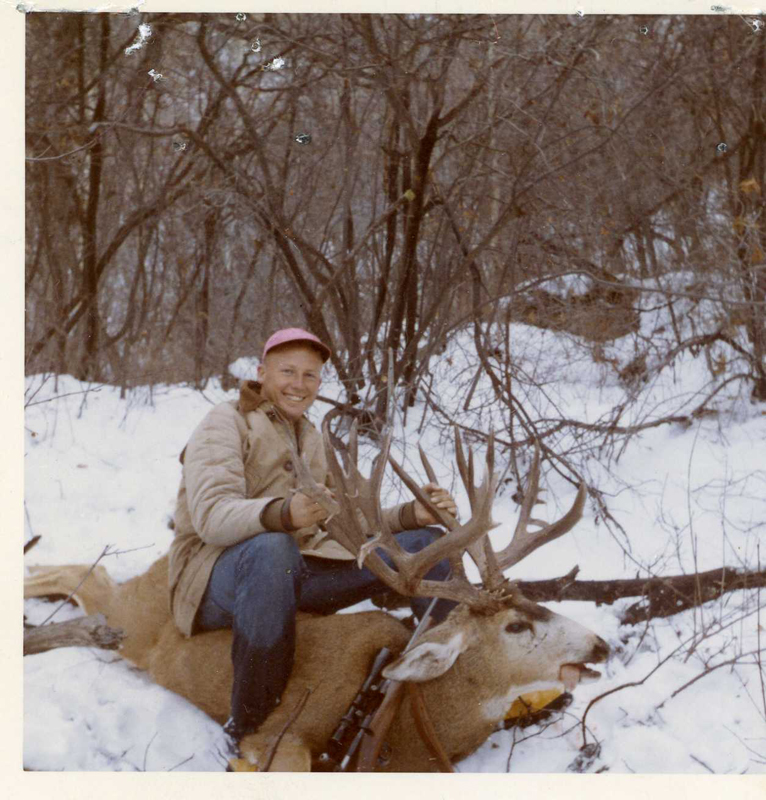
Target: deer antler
pixel 360 527
pixel 524 541
pixel 491 564
pixel 478 497
pixel 356 521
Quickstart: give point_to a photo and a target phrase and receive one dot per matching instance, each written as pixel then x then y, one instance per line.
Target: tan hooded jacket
pixel 237 461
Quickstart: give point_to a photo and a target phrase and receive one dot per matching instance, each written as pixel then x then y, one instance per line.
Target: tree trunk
pixel 88 366
pixel 750 226
pixel 202 317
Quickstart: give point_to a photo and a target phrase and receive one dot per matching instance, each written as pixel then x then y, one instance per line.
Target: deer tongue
pixel 571 674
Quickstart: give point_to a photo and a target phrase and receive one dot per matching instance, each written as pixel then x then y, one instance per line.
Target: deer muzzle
pixel 572 674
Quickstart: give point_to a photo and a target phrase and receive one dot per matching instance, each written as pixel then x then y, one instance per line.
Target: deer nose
pixel 600 650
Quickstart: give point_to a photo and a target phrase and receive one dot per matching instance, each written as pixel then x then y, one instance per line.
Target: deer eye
pixel 518 627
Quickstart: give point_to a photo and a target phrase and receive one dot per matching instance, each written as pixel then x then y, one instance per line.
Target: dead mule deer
pixel 495 646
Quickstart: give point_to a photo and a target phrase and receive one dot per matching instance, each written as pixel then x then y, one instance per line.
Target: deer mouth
pixel 572 674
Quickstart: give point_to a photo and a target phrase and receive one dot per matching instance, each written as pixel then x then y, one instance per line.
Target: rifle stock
pixel 374 733
pixel 372 741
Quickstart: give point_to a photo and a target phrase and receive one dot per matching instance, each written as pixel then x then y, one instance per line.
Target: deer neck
pixel 454 703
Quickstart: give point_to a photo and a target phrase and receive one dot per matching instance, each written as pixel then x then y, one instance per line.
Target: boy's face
pixel 290 377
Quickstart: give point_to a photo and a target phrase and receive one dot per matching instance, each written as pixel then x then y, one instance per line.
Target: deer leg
pixel 88 588
pixel 292 754
pixel 45 581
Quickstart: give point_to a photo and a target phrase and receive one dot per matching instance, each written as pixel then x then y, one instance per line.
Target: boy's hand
pixel 441 498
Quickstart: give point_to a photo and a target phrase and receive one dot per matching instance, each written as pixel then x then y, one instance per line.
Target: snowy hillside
pixel 103 471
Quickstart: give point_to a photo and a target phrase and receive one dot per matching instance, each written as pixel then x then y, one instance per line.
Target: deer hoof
pixel 240 765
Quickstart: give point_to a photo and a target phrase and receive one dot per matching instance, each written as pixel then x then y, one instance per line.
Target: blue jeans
pixel 255 589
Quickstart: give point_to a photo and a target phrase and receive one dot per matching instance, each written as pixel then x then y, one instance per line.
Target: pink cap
pixel 295 335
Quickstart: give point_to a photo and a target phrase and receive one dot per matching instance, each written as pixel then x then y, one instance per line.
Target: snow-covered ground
pixel 101 470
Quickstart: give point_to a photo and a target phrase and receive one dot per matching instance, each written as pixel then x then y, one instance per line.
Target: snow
pixel 142 37
pixel 275 64
pixel 142 727
pixel 102 471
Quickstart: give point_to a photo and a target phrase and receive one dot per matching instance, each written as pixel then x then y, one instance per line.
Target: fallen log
pixel 661 596
pixel 91 631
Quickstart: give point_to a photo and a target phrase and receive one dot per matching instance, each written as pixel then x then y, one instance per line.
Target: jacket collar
pixel 251 399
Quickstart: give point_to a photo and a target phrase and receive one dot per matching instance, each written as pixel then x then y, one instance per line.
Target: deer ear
pixel 426 661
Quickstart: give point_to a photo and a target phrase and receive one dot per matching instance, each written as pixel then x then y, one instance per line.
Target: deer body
pixel 472 666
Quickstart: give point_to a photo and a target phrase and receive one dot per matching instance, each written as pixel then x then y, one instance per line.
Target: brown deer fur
pixel 471 666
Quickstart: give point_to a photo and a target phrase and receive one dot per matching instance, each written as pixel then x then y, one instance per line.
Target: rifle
pixel 375 705
pixel 376 727
pixel 344 741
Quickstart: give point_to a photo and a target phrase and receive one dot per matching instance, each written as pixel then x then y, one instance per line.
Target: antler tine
pixel 525 542
pixel 353 443
pixel 316 491
pixel 379 464
pixel 368 488
pixel 345 527
pixel 449 522
pixel 480 551
pixel 376 478
pixel 371 507
pixel 427 465
pixel 360 526
pixel 465 469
